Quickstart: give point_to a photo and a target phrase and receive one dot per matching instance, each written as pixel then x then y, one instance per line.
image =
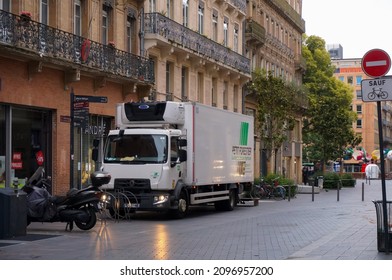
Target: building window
pixel 235 98
pixel 225 95
pixel 44 15
pixel 152 6
pixel 359 109
pixel 105 26
pixel 215 25
pixel 235 41
pixel 225 31
pixel 185 12
pixel 131 33
pixel 78 18
pixel 350 80
pixel 359 94
pixel 214 92
pixel 184 84
pixel 201 18
pixel 169 8
pixel 359 123
pixel 359 80
pixel 169 84
pixel 200 87
pixel 5 5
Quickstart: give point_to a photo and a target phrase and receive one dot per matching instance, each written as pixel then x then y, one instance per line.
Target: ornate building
pixel 273 42
pixel 65 65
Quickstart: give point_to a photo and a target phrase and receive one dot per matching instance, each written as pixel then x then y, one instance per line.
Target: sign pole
pixel 71 147
pixel 384 194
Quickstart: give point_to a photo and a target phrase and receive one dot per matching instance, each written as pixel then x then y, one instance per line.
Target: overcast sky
pixel 357 25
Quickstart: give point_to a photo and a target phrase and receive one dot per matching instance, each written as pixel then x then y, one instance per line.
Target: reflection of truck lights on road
pixel 161 243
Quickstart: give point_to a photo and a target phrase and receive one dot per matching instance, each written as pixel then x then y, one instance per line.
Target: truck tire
pixel 182 207
pixel 229 204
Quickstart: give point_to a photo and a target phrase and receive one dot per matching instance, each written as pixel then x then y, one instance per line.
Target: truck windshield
pixel 136 149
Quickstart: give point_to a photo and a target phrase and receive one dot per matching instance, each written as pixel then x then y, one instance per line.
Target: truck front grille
pixel 135 186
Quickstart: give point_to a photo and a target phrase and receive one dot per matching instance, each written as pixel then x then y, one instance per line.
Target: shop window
pixel 30 140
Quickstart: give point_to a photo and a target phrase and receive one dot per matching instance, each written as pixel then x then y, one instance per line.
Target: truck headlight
pixel 159 199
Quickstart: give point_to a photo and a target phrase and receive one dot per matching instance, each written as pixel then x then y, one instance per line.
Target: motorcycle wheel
pixel 91 222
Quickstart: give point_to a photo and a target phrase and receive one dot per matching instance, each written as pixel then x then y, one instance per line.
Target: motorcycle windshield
pixel 136 149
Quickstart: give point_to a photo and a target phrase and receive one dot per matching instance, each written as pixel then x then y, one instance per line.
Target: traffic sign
pixel 376 63
pixel 377 89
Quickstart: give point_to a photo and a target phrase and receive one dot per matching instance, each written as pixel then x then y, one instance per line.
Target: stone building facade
pixel 64 60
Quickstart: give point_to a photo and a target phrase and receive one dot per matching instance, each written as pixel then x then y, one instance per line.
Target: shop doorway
pixel 96 129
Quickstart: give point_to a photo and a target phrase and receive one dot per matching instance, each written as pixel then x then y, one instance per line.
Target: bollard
pixel 363 191
pixel 289 193
pixel 312 192
pixel 338 191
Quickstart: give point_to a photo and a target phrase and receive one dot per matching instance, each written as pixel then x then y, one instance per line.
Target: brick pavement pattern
pixel 323 229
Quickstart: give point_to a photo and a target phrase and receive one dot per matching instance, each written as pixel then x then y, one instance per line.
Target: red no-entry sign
pixel 376 63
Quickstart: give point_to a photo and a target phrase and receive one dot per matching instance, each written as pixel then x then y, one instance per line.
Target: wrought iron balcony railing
pixel 36 39
pixel 287 11
pixel 174 32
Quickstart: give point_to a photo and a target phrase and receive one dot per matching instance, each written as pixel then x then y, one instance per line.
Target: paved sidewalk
pixel 323 229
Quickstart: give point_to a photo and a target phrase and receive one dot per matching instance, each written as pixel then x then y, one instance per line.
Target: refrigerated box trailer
pixel 167 156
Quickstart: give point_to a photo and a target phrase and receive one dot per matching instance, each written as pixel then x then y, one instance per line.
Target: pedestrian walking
pixel 372 171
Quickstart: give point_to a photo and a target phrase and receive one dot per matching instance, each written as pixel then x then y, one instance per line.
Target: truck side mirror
pixel 182 155
pixel 94 154
pixel 95 143
pixel 182 143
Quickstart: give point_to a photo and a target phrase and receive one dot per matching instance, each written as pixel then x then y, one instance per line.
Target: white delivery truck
pixel 171 155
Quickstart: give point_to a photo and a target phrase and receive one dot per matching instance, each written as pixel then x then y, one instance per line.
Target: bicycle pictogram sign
pixel 379 93
pixel 377 89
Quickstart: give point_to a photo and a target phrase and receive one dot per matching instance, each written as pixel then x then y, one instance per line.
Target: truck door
pixel 175 164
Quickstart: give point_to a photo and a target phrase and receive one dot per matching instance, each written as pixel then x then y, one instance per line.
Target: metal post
pixel 384 194
pixel 71 141
pixel 289 193
pixel 8 145
pixel 363 191
pixel 312 192
pixel 338 192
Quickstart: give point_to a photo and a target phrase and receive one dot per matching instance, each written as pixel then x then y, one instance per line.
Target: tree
pixel 275 110
pixel 328 125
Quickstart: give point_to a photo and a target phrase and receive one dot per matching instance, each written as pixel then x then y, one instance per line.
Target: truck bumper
pixel 151 202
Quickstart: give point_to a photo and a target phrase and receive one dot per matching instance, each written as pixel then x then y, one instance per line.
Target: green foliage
pixel 276 108
pixel 331 180
pixel 328 127
pixel 347 180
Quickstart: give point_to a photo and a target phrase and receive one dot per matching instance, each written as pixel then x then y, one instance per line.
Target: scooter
pixel 78 206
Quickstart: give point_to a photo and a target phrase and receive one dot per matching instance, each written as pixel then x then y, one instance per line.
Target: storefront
pixel 25 143
pixel 96 129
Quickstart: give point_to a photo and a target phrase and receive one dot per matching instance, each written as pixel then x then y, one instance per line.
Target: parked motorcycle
pixel 78 206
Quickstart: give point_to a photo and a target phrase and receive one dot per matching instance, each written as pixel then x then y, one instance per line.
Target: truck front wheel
pixel 182 207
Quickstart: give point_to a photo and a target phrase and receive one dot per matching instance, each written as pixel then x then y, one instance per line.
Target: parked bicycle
pixel 265 190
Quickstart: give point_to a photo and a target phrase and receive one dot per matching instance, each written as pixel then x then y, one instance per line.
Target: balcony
pixel 36 41
pixel 170 33
pixel 300 63
pixel 286 11
pixel 239 5
pixel 255 33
